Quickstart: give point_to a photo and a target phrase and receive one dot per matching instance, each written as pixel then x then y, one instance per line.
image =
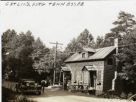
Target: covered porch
pixel 66 77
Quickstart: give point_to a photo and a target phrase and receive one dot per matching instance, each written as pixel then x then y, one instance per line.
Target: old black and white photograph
pixel 68 51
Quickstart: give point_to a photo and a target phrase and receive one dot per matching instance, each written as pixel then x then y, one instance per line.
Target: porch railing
pixel 78 87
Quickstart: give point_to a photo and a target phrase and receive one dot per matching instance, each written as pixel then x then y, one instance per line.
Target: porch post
pixel 60 77
pixel 63 80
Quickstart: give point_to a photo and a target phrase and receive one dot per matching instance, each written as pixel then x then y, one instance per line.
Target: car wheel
pixel 38 92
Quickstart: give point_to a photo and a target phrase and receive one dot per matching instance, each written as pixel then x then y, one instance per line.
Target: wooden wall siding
pixel 99 81
pixel 85 75
pixel 77 74
pixel 108 75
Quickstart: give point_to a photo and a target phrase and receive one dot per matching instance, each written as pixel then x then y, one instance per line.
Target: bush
pixel 21 98
pixel 9 95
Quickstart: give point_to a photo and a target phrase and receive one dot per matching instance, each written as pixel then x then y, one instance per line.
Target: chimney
pixel 115 73
pixel 116 44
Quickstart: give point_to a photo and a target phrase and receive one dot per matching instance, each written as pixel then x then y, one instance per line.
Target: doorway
pixel 92 78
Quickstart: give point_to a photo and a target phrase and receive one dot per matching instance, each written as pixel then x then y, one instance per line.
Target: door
pixel 92 78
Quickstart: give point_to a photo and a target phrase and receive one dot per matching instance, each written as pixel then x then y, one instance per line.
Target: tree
pixel 7 38
pixel 124 24
pixel 7 50
pixel 24 52
pixel 17 51
pixel 39 49
pixel 39 56
pixel 125 31
pixel 109 39
pixel 24 57
pixel 85 39
pixel 99 42
pixel 73 46
pixel 125 27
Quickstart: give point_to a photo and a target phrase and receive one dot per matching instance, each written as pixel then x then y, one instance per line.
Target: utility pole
pixel 55 57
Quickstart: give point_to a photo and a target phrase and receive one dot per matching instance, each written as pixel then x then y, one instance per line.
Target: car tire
pixel 38 93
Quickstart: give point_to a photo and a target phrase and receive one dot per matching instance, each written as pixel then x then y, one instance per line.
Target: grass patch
pixel 11 96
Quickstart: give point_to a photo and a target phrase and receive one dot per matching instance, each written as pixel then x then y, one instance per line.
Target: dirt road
pixel 64 96
pixel 56 95
pixel 73 98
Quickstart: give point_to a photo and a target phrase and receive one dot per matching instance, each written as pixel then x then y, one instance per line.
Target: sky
pixel 62 23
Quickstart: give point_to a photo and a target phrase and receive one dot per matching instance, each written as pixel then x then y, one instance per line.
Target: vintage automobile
pixel 28 86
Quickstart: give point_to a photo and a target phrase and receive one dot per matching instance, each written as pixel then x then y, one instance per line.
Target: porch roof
pixel 89 67
pixel 65 69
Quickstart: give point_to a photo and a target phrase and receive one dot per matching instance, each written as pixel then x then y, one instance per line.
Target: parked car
pixel 28 86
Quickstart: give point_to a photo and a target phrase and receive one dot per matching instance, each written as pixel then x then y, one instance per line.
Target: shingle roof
pixel 100 53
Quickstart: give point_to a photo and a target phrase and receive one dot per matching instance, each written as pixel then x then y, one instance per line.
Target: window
pixel 110 61
pixel 90 53
pixel 83 55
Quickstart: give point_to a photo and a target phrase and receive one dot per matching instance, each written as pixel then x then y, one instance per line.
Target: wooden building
pixel 93 69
